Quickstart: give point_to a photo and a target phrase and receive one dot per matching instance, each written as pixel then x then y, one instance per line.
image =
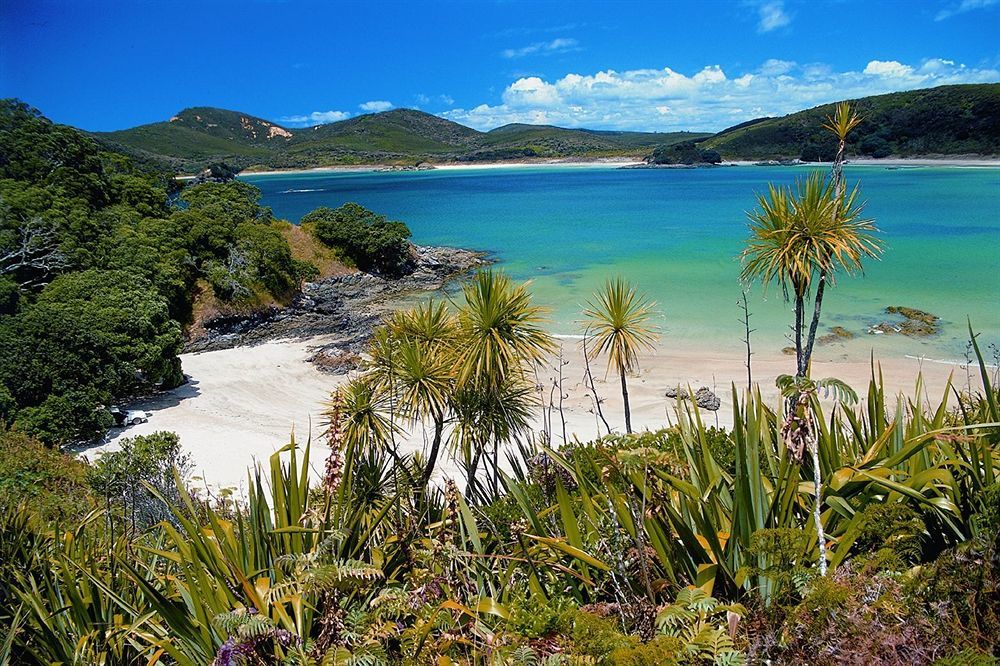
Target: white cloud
pixel 375 106
pixel 775 67
pixel 314 118
pixel 709 99
pixel 964 6
pixel 888 68
pixel 560 45
pixel 772 16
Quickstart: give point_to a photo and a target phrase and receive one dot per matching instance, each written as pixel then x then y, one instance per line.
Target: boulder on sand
pixel 703 397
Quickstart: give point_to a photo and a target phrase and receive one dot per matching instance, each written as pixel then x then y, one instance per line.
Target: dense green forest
pixel 949 120
pixel 102 263
pixel 823 527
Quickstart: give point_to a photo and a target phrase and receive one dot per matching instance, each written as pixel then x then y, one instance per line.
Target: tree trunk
pixel 818 485
pixel 811 340
pixel 432 456
pixel 473 466
pixel 799 306
pixel 628 414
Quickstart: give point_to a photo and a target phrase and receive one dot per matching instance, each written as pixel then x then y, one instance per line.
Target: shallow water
pixel 677 233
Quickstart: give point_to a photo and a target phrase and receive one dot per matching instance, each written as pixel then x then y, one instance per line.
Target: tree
pixel 807 233
pixel 469 368
pixel 425 370
pixel 500 337
pixel 370 240
pixel 618 323
pixel 91 337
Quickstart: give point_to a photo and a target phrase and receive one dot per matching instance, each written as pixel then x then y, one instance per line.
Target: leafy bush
pixel 895 527
pixel 685 152
pixel 371 241
pixel 92 336
pixel 51 483
pixel 122 476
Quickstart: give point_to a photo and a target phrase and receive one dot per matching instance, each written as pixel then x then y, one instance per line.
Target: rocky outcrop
pixel 907 321
pixel 346 306
pixel 703 397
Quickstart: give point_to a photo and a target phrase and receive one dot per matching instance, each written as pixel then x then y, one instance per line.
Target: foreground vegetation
pixel 690 545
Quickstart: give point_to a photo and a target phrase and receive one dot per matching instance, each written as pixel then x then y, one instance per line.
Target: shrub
pixel 120 476
pixel 778 553
pixel 662 650
pixel 51 484
pixel 598 637
pixel 895 527
pixel 370 240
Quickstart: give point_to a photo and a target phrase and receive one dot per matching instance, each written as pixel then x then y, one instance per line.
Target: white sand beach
pixel 240 405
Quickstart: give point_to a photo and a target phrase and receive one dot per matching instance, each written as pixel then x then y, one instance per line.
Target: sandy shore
pixel 450 166
pixel 992 162
pixel 241 404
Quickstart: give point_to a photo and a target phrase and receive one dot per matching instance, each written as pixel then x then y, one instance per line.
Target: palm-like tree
pixel 500 337
pixel 500 330
pixel 805 233
pixel 618 323
pixel 423 369
pixel 365 424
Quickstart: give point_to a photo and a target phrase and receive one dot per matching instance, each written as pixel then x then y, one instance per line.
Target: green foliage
pixel 778 557
pixel 140 477
pixel 700 623
pixel 89 337
pixel 896 527
pixel 685 152
pixel 598 637
pixel 53 484
pixel 370 240
pixel 99 272
pixel 946 120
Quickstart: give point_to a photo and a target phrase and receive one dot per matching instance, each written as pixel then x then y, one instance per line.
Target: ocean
pixel 677 234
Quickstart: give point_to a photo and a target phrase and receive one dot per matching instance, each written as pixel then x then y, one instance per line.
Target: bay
pixel 678 233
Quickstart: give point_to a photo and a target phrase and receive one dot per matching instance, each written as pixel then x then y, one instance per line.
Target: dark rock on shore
pixel 347 306
pixel 703 397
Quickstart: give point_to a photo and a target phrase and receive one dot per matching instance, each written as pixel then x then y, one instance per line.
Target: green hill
pixel 198 136
pixel 949 120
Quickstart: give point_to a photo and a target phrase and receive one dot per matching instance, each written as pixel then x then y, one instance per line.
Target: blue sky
pixel 660 66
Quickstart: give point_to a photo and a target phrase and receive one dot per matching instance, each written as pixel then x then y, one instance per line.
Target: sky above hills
pixel 657 66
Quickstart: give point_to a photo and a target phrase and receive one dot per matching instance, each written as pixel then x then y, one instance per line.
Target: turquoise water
pixel 677 233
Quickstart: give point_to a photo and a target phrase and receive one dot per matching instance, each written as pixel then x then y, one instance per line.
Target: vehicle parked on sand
pixel 124 417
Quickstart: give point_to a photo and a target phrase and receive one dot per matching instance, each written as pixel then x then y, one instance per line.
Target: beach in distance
pixel 971 161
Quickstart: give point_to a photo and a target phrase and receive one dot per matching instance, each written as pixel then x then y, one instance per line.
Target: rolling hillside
pixel 948 120
pixel 198 136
